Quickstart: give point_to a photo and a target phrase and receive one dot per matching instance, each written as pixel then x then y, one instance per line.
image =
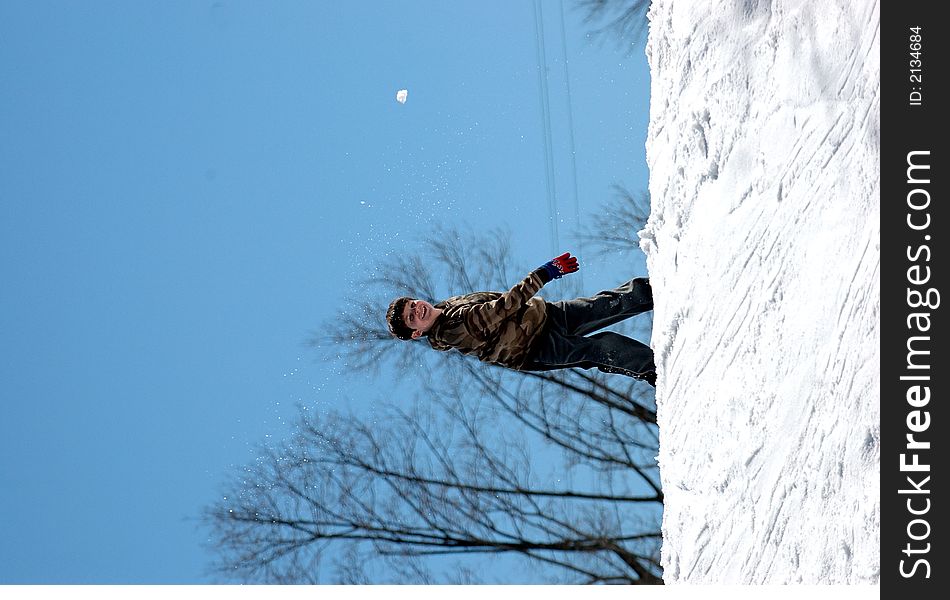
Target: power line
pixel 543 93
pixel 570 129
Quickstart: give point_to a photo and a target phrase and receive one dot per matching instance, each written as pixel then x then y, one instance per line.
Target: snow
pixel 763 253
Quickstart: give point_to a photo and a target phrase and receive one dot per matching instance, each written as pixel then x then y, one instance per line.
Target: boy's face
pixel 419 316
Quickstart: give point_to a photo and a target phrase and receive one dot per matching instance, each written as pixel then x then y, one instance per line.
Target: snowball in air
pixel 401 96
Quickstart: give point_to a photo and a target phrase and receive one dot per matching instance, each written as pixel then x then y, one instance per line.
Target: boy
pixel 523 332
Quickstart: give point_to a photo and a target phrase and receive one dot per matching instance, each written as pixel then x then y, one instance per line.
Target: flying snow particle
pixel 401 96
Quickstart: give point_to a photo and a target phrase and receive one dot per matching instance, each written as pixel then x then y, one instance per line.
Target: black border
pixel 906 128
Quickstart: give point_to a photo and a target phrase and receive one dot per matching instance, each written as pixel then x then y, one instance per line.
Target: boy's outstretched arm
pixel 484 315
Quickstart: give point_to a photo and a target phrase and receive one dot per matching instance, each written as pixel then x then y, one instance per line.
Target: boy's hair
pixel 397 326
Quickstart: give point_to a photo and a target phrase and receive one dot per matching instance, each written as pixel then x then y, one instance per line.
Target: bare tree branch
pixel 626 20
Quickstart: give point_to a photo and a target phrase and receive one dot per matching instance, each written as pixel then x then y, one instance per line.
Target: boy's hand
pixel 560 266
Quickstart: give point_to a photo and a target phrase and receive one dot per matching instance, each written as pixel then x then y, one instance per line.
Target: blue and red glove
pixel 559 267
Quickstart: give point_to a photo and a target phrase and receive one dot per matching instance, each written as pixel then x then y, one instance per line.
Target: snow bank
pixel 763 251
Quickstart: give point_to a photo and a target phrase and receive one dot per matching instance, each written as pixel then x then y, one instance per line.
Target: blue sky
pixel 187 189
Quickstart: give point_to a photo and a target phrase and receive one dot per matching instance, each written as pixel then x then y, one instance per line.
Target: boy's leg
pixel 581 316
pixel 608 351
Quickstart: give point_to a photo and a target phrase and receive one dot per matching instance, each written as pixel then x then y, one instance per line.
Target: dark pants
pixel 565 342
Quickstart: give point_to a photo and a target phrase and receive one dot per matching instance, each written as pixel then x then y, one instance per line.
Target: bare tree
pixel 625 20
pixel 437 480
pixel 555 467
pixel 613 229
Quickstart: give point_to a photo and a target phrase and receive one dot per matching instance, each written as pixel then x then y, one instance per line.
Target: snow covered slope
pixel 763 249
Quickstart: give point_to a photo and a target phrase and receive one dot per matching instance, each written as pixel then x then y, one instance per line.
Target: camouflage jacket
pixel 498 328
